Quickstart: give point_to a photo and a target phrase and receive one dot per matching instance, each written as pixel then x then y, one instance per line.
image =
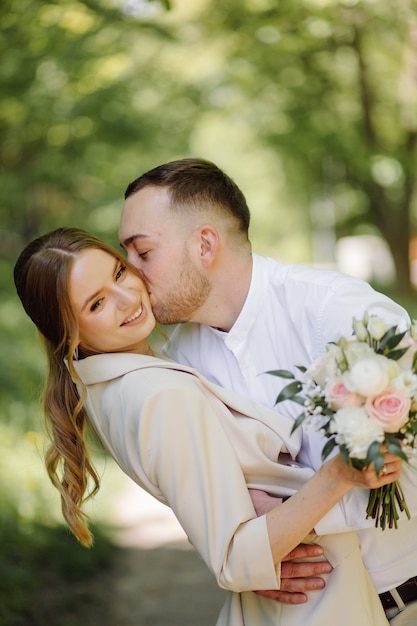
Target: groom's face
pixel 164 247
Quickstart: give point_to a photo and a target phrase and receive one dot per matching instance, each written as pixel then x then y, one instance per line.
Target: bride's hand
pixel 367 478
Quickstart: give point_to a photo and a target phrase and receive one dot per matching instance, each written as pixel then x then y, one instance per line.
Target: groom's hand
pixel 298 578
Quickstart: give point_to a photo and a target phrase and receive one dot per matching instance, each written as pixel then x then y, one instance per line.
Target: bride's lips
pixel 134 315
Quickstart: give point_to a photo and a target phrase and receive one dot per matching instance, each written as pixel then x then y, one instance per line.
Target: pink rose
pixel 389 409
pixel 339 397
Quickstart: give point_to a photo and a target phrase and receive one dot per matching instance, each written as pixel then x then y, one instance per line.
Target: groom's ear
pixel 208 244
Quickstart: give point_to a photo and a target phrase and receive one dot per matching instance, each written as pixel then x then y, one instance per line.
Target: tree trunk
pixel 393 220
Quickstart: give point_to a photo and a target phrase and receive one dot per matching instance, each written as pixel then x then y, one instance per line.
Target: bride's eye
pixel 96 304
pixel 120 271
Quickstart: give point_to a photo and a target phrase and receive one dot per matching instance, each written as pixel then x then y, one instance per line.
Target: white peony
pixel 356 431
pixel 369 375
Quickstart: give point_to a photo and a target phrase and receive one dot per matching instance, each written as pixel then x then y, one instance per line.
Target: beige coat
pixel 196 447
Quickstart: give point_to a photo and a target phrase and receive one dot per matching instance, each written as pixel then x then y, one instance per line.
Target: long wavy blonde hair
pixel 41 277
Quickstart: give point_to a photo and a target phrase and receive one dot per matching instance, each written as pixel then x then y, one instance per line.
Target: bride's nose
pixel 125 297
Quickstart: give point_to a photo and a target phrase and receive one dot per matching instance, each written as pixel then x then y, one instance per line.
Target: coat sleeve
pixel 181 448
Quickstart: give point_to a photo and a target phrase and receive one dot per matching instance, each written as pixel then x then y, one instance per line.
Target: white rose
pixel 368 376
pixel 356 431
pixel 376 327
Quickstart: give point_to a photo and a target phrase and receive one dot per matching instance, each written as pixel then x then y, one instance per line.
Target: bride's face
pixel 111 304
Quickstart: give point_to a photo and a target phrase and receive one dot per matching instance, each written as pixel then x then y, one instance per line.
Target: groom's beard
pixel 181 300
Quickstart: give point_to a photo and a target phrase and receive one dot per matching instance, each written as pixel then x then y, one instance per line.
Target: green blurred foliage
pixel 74 127
pixel 46 579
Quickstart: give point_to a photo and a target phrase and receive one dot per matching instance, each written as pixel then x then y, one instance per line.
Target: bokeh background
pixel 311 106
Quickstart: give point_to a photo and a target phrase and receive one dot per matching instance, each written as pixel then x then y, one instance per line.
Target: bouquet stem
pixel 382 505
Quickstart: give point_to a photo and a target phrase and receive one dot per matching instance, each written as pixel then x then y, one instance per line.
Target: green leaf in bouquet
pixel 378 463
pixel 301 368
pixel 374 451
pixel 328 448
pixel 395 355
pixel 327 410
pixel 357 464
pixel 281 373
pixel 290 392
pixel 391 339
pixel 395 447
pixel 300 419
pixel 345 454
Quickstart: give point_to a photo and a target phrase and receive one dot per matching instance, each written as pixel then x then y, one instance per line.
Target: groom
pixel 185 225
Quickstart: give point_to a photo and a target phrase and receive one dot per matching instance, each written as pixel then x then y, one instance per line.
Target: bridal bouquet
pixel 361 395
